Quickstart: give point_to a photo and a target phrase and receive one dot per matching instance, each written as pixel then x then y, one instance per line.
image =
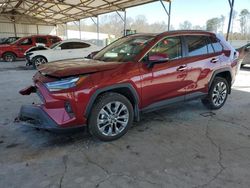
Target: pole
pixel 97 25
pixel 231 3
pixel 80 29
pixel 37 29
pixel 125 21
pixel 66 31
pixel 14 24
pixel 169 15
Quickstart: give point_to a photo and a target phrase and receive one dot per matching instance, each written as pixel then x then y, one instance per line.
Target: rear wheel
pixel 217 95
pixel 37 61
pixel 9 57
pixel 111 117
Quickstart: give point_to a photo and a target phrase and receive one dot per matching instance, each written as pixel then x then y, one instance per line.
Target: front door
pixel 24 45
pixel 165 81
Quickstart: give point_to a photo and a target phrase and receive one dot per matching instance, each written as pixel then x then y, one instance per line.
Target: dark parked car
pixel 8 40
pixel 244 54
pixel 9 52
pixel 134 75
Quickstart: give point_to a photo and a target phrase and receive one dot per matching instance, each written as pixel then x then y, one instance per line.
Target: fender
pixel 226 69
pixel 110 88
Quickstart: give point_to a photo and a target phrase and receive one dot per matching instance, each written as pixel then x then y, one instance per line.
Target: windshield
pixel 124 49
pixel 54 45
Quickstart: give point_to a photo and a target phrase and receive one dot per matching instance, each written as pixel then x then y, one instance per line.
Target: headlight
pixel 62 84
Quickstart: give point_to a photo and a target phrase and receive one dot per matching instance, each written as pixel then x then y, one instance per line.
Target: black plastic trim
pixel 110 88
pixel 164 103
pixel 36 117
pixel 226 69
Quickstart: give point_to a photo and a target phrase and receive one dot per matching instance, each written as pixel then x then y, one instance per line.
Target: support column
pixel 37 29
pixel 98 30
pixel 66 31
pixel 125 22
pixel 14 25
pixel 80 34
pixel 231 4
pixel 168 12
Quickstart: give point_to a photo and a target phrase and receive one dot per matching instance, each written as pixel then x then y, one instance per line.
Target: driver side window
pixel 168 48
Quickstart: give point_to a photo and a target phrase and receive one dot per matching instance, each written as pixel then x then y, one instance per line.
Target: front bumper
pixel 35 116
pixel 28 59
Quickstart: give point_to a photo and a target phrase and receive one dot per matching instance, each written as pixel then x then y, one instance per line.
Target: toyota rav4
pixel 134 75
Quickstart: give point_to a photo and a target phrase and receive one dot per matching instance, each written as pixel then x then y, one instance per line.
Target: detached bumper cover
pixel 36 117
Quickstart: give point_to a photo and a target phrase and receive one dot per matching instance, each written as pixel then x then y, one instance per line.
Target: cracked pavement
pixel 184 145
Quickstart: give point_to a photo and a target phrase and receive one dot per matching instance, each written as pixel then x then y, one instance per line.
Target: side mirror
pixel 151 63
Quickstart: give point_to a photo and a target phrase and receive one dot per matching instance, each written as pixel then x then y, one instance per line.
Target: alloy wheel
pixel 219 93
pixel 113 118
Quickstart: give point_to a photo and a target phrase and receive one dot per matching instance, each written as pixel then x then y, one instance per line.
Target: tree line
pixel 112 24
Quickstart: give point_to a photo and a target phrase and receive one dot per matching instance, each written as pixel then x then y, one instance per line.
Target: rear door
pixel 41 40
pixel 203 55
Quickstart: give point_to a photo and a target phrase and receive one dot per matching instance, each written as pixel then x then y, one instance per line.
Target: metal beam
pixel 231 4
pixel 168 12
pixel 14 24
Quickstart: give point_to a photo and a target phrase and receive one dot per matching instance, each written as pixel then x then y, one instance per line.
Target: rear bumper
pixel 35 116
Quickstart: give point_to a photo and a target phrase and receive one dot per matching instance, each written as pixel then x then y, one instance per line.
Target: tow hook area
pixel 28 90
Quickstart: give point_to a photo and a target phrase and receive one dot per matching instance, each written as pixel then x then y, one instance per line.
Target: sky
pixel 195 11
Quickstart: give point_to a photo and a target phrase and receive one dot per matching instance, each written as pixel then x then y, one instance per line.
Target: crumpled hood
pixel 75 67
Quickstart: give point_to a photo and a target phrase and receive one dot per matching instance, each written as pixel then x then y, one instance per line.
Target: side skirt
pixel 164 103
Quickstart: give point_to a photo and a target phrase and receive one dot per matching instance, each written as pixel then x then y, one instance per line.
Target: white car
pixel 63 50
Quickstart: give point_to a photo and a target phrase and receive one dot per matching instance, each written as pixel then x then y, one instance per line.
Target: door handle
pixel 182 68
pixel 214 60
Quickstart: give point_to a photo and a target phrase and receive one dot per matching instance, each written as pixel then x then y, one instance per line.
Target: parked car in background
pixel 8 40
pixel 134 75
pixel 9 52
pixel 67 49
pixel 244 54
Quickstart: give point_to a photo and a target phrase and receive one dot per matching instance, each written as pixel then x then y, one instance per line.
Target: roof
pixel 60 11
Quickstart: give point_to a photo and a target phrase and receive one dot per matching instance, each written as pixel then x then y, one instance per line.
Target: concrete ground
pixel 181 146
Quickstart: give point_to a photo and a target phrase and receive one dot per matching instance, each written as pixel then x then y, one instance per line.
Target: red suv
pixel 134 75
pixel 9 52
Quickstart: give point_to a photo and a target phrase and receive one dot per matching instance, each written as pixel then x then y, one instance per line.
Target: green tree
pixel 244 16
pixel 213 24
pixel 185 25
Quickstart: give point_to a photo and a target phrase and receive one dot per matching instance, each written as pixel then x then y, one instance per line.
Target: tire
pixel 9 57
pixel 37 61
pixel 107 126
pixel 217 95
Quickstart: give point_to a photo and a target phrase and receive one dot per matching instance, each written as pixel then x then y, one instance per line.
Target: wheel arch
pixel 124 89
pixel 39 56
pixel 9 52
pixel 224 73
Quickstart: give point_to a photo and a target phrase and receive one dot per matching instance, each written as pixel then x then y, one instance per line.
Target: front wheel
pixel 37 61
pixel 217 95
pixel 111 116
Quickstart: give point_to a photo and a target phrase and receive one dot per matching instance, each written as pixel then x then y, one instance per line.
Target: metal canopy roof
pixel 60 11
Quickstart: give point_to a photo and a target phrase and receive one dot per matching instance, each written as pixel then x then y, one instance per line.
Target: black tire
pixel 41 59
pixel 210 100
pixel 9 57
pixel 96 114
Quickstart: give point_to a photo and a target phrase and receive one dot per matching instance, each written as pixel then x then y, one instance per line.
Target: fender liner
pixel 110 88
pixel 216 72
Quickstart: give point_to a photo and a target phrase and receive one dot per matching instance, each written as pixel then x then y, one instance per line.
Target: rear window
pixel 216 44
pixel 74 45
pixel 197 45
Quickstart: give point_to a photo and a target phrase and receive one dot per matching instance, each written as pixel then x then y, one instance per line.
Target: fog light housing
pixel 68 109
